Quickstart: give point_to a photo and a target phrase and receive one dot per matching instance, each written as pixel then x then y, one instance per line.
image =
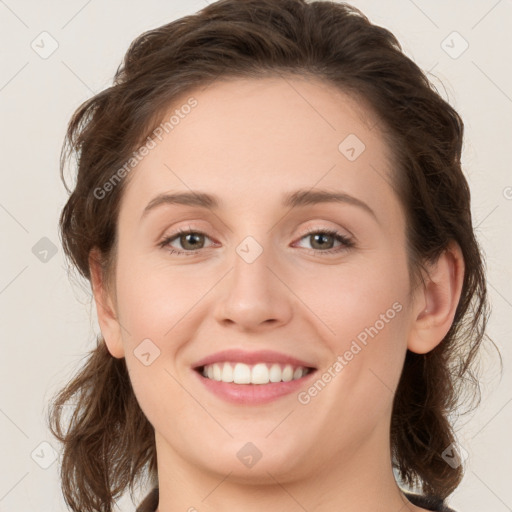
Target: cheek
pixel 358 382
pixel 153 299
pixel 365 307
pixel 355 297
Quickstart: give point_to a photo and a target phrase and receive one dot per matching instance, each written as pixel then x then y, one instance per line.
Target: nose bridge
pixel 252 294
pixel 251 277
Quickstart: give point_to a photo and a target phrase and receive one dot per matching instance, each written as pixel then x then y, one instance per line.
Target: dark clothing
pixel 428 502
pixel 150 503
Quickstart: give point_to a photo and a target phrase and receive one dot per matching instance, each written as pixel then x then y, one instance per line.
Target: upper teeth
pixel 260 373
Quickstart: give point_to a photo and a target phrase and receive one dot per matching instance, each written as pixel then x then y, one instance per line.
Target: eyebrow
pixel 296 199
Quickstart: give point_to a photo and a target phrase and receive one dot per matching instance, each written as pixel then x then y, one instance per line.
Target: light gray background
pixel 47 322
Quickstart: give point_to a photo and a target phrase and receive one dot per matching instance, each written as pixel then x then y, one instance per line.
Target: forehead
pixel 246 140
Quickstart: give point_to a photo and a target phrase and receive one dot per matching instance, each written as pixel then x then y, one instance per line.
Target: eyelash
pixel 347 242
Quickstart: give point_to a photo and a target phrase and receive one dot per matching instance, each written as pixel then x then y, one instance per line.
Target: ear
pixel 107 318
pixel 436 301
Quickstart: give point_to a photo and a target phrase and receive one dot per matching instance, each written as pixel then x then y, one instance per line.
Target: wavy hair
pixel 108 444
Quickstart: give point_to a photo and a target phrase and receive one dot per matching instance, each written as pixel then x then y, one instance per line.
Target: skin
pixel 248 142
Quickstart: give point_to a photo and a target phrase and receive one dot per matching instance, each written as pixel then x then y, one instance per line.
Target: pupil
pixel 193 235
pixel 321 235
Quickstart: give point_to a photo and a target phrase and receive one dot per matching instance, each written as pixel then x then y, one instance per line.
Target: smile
pixel 260 373
pixel 255 386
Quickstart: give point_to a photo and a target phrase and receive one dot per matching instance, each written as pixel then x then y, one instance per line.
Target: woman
pixel 271 210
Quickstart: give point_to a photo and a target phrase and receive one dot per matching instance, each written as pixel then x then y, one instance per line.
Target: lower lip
pixel 253 394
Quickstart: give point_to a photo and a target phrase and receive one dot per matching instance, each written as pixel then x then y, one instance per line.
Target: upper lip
pixel 242 356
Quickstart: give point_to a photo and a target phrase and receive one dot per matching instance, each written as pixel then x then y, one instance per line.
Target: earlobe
pixel 107 318
pixel 437 301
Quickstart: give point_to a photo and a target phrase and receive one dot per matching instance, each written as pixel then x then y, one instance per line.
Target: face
pixel 274 270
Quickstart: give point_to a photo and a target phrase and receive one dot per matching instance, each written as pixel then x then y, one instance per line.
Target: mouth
pixel 252 385
pixel 252 378
pixel 256 374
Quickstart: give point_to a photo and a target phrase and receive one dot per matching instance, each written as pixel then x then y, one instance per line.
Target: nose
pixel 254 294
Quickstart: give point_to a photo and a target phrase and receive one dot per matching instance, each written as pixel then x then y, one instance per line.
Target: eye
pixel 321 239
pixel 190 240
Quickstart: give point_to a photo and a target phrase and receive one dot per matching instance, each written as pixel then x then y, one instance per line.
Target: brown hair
pixel 109 443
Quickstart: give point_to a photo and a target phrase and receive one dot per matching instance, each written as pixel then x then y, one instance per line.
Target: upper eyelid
pixel 312 228
pixel 309 230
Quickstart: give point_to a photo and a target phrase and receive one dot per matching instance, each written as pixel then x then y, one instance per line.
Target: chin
pixel 255 460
